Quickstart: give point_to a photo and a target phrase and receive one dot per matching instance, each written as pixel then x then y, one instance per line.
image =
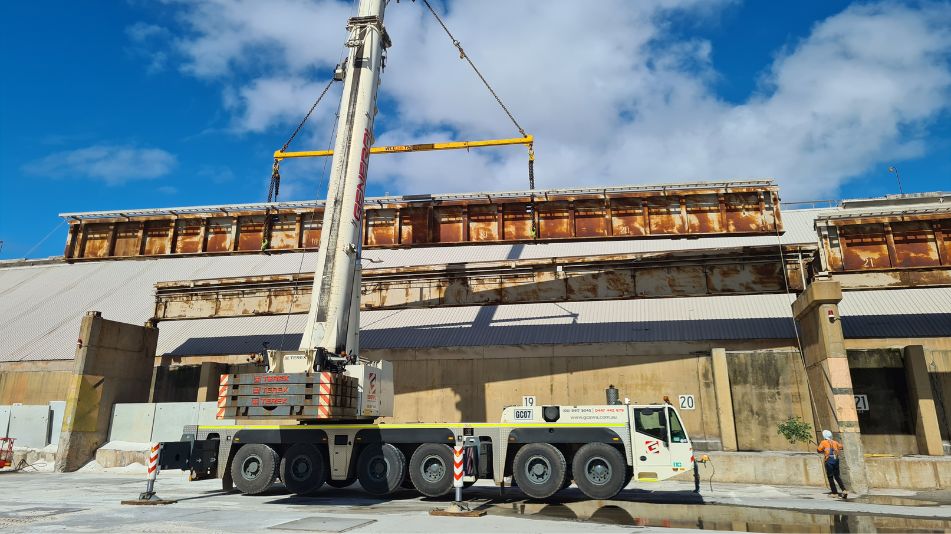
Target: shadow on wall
pixel 884 326
pixel 485 330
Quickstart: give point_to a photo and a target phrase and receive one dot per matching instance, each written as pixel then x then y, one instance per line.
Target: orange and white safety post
pixel 457 470
pixel 153 462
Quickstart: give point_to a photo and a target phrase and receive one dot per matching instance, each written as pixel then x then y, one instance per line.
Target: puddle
pixel 895 501
pixel 718 517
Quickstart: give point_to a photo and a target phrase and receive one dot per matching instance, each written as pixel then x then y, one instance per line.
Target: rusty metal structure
pixel 687 210
pixel 898 241
pixel 732 271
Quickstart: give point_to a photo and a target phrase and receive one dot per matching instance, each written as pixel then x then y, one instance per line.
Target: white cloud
pixel 609 96
pixel 113 164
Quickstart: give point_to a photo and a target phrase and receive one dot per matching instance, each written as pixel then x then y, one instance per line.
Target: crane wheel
pixel 539 470
pixel 254 468
pixel 430 469
pixel 303 468
pixel 600 470
pixel 381 468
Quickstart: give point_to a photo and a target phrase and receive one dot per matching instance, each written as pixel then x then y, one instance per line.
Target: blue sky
pixel 155 104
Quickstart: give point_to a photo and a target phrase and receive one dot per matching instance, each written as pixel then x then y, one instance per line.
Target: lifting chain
pixel 531 151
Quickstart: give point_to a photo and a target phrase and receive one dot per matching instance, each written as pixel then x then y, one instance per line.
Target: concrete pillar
pixel 113 364
pixel 721 385
pixel 209 380
pixel 922 402
pixel 827 369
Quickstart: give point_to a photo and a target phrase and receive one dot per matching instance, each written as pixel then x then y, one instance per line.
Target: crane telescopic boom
pixel 331 335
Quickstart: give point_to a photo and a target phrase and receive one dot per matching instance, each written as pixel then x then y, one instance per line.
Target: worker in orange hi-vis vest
pixel 832 450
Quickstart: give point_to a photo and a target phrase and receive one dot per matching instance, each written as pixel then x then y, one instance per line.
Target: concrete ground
pixel 89 501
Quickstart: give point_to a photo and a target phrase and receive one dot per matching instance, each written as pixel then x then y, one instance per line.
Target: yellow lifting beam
pixel 528 140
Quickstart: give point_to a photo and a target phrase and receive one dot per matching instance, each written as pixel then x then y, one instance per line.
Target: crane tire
pixel 303 468
pixel 254 468
pixel 539 470
pixel 381 468
pixel 600 470
pixel 430 469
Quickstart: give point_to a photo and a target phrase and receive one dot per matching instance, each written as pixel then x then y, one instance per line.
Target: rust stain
pixel 627 217
pixel 96 240
pixel 449 224
pixel 745 278
pixel 483 223
pixel 219 234
pixel 664 213
pixel 188 236
pixel 742 212
pixel 864 247
pixel 311 224
pixel 703 214
pixel 381 227
pixel 250 232
pixel 915 244
pixel 127 239
pixel 554 220
pixel 590 219
pixel 156 237
pixel 517 222
pixel 284 232
pixel 670 281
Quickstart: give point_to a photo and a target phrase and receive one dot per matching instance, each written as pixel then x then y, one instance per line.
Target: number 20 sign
pixel 687 402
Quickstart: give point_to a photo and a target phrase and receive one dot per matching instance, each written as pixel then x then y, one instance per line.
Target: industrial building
pixel 686 290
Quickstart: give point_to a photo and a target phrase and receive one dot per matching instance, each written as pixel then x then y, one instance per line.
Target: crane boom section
pixel 331 323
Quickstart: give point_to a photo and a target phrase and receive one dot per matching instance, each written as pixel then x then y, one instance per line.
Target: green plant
pixel 795 430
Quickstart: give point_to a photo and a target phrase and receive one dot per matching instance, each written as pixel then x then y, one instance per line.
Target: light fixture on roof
pixel 892 169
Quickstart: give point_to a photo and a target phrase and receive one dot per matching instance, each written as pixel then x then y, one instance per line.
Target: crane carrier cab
pixel 541 448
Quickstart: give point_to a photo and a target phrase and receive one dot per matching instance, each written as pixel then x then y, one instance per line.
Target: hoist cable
pixel 274 188
pixel 531 151
pixel 463 55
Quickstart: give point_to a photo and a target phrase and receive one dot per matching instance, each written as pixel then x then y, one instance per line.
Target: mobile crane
pixel 335 396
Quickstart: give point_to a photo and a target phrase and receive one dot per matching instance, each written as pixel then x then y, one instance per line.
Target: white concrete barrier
pixel 4 420
pixel 132 422
pixel 30 425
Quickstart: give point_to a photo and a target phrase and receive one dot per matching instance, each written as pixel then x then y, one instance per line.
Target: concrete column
pixel 827 371
pixel 113 364
pixel 721 385
pixel 209 380
pixel 922 402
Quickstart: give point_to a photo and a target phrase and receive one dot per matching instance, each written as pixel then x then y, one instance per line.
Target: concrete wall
pixel 474 384
pixel 113 365
pixel 767 387
pixel 34 382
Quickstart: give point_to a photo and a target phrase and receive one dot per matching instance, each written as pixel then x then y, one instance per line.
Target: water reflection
pixel 718 517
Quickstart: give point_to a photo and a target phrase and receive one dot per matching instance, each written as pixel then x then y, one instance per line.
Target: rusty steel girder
pixel 747 270
pixel 730 208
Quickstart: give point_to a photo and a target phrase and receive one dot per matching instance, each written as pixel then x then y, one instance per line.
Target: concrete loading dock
pixel 549 318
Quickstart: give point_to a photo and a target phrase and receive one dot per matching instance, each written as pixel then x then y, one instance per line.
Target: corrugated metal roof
pixel 894 313
pixel 672 319
pixel 885 313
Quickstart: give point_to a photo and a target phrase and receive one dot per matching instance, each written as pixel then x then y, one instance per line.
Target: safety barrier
pixel 33 425
pixel 156 422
